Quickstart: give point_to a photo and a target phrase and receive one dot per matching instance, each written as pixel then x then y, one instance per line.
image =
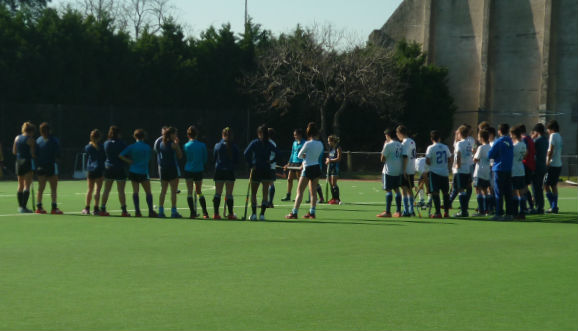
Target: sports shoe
pixel 137 214
pixel 56 211
pixel 96 213
pixel 520 217
pixel 24 210
pixel 436 216
pixel 124 214
pixel 331 202
pixel 153 213
pixel 40 211
pixel 206 216
pixel 161 215
pixel 552 211
pixel 103 213
pixel 286 198
pixel 193 216
pixel 231 217
pixel 85 212
pixel 478 214
pixel 497 218
pixel 384 214
pixel 176 215
pixel 270 205
pixel 291 216
pixel 320 201
pixel 405 214
pixel 508 218
pixel 261 217
pixel 309 216
pixel 397 214
pixel 459 214
pixel 216 217
pixel 253 217
pixel 446 215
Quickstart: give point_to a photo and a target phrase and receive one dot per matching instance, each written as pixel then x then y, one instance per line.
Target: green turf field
pixel 346 270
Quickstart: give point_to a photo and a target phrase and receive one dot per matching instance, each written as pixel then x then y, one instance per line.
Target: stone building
pixel 513 61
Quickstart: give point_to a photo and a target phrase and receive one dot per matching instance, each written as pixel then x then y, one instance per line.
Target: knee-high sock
pixel 216 203
pixel 20 196
pixel 481 207
pixel 203 203
pixel 271 192
pixel 555 199
pixel 337 194
pixel 522 204
pixel 136 201
pixel 550 197
pixel 411 204
pixel 469 192
pixel 528 197
pixel 333 192
pixel 464 202
pixel 149 200
pixel 230 204
pixel 398 202
pixel 515 205
pixel 191 203
pixel 437 203
pixel 446 202
pixel 264 205
pixel 25 196
pixel 405 205
pixel 388 200
pixel 320 192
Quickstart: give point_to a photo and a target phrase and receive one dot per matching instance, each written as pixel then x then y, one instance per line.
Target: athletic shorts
pixel 462 181
pixel 139 178
pixel 224 176
pixel 95 174
pixel 23 166
pixel 312 172
pixel 407 181
pixel 115 173
pixel 194 176
pixel 438 183
pixel 47 170
pixel 273 175
pixel 552 176
pixel 481 183
pixel 334 169
pixel 529 175
pixel 294 165
pixel 390 182
pixel 518 182
pixel 168 173
pixel 262 175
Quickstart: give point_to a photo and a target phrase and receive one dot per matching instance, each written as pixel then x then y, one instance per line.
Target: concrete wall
pixel 512 61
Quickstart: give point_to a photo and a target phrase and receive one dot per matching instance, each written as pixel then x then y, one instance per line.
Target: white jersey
pixel 310 152
pixel 438 155
pixel 408 150
pixel 519 154
pixel 556 142
pixel 472 142
pixel 272 157
pixel 483 168
pixel 393 162
pixel 465 149
pixel 420 165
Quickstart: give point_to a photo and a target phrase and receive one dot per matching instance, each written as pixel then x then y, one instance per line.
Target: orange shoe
pixel 125 214
pixel 384 214
pixel 40 211
pixel 397 214
pixel 217 217
pixel 291 216
pixel 232 217
pixel 309 216
pixel 56 211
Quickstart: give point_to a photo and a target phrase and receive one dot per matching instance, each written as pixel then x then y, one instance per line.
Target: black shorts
pixel 294 165
pixel 462 181
pixel 390 182
pixel 552 176
pixel 139 178
pixel 529 175
pixel 47 170
pixel 518 182
pixel 312 172
pixel 407 181
pixel 169 173
pixel 224 176
pixel 95 174
pixel 194 176
pixel 438 183
pixel 481 183
pixel 23 166
pixel 262 175
pixel 115 173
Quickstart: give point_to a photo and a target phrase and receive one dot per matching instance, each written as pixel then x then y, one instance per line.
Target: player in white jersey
pixel 391 174
pixel 437 157
pixel 554 164
pixel 408 152
pixel 518 172
pixel 421 170
pixel 482 174
pixel 462 169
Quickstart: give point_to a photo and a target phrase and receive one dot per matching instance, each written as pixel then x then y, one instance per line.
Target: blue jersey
pixel 166 155
pixel 196 153
pixel 96 157
pixel 112 149
pixel 503 154
pixel 140 154
pixel 297 145
pixel 22 147
pixel 333 155
pixel 226 156
pixel 47 150
pixel 259 153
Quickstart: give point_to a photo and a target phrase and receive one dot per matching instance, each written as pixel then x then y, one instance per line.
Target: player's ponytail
pixel 312 130
pixel 95 137
pixel 227 134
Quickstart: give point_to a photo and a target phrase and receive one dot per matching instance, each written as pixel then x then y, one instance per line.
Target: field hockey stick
pixel 247 196
pixel 415 203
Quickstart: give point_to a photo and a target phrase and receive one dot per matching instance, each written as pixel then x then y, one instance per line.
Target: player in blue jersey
pixel 168 153
pixel 293 167
pixel 226 155
pixel 437 157
pixel 47 152
pixel 114 171
pixel 196 155
pixel 138 156
pixel 95 166
pixel 25 150
pixel 502 152
pixel 332 161
pixel 258 156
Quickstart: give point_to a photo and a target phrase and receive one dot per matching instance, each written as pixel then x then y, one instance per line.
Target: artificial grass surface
pixel 346 270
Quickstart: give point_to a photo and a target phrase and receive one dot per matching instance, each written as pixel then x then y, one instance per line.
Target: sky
pixel 356 18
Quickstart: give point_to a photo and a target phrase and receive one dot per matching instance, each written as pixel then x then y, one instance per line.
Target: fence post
pixel 349 165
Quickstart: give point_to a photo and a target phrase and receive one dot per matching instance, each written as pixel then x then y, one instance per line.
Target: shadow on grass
pixel 317 221
pixel 561 218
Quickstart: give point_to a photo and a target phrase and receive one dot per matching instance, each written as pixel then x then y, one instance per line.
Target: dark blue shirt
pixel 113 148
pixel 541 147
pixel 503 154
pixel 259 153
pixel 47 150
pixel 226 156
pixel 22 147
pixel 166 155
pixel 96 157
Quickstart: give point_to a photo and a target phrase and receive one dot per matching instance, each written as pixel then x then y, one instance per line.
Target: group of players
pixel 501 165
pixel 501 168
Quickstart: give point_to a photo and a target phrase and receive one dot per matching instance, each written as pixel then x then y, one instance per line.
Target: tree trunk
pixel 337 118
